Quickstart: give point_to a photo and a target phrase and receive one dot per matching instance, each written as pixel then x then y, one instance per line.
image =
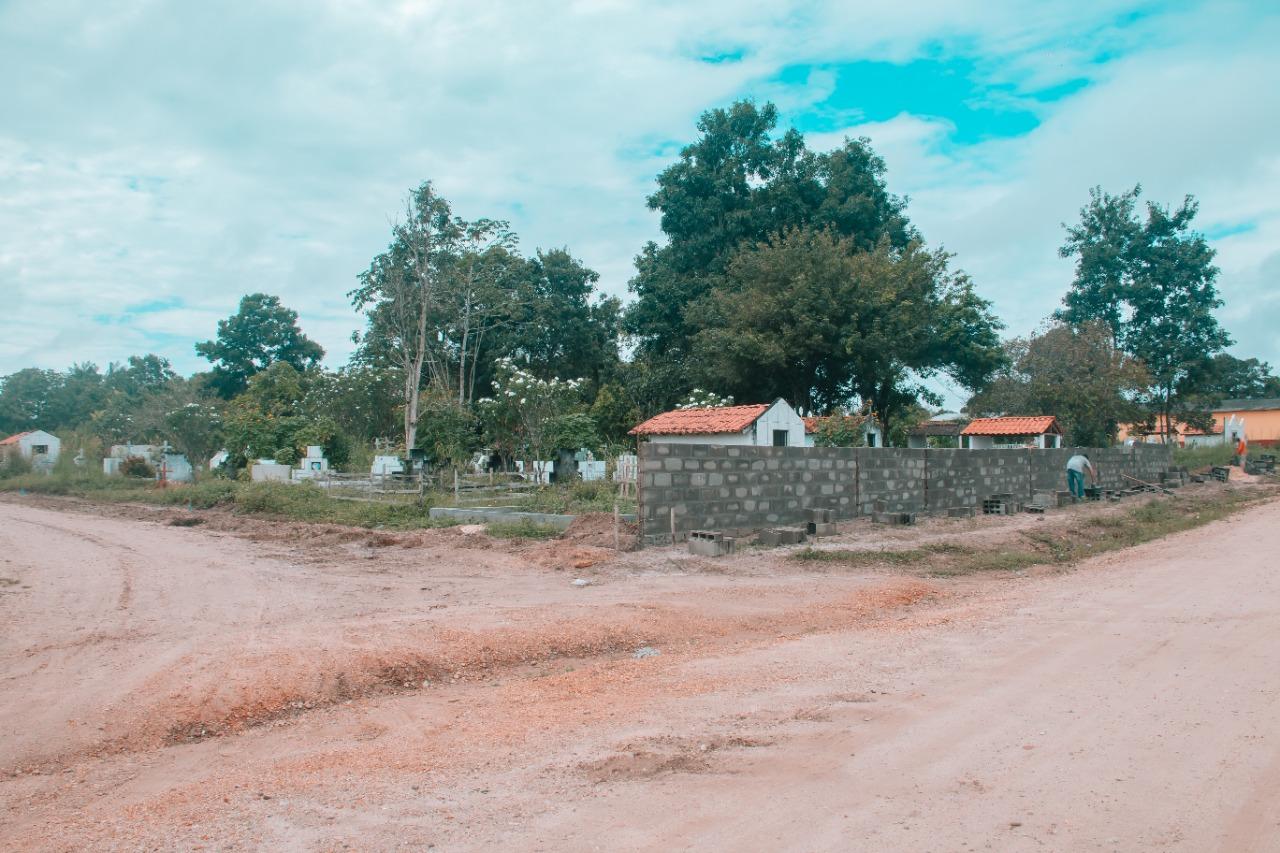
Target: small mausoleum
pixel 38 447
pixel 1041 431
pixel 773 424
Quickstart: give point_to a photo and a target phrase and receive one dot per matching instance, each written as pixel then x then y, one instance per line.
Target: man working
pixel 1242 452
pixel 1076 466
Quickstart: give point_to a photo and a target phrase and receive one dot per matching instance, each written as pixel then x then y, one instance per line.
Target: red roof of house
pixel 13 439
pixel 712 421
pixel 1012 426
pixel 947 428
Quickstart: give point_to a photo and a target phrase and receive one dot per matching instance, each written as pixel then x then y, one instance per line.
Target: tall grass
pixel 1202 457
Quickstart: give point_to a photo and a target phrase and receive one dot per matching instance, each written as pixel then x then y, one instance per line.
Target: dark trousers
pixel 1075 482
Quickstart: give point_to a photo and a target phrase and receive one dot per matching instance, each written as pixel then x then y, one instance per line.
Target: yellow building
pixel 1261 419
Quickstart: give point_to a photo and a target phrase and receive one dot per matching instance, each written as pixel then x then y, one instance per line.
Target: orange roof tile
pixel 13 439
pixel 712 421
pixel 1012 426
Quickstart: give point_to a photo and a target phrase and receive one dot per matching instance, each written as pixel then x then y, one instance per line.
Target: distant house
pixel 1257 420
pixel 872 435
pixel 37 446
pixel 935 433
pixel 986 433
pixel 773 424
pixel 1182 434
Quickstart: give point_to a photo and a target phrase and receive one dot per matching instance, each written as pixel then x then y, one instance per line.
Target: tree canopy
pixel 1073 372
pixel 1153 283
pixel 260 333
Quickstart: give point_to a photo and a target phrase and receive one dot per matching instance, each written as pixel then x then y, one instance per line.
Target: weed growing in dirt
pixel 522 529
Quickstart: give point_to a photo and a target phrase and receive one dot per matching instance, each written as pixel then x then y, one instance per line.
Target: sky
pixel 158 160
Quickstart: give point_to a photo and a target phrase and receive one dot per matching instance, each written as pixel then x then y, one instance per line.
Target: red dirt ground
pixel 243 684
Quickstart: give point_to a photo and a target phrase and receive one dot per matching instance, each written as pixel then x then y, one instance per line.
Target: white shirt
pixel 1078 463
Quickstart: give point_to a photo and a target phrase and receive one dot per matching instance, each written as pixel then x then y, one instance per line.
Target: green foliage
pixel 1073 372
pixel 261 333
pixel 1196 458
pixel 448 432
pixel 277 418
pixel 1153 283
pixel 614 414
pixel 842 430
pixel 136 466
pixel 734 187
pixel 526 416
pixel 1226 377
pixel 572 431
pixel 14 465
pixel 810 318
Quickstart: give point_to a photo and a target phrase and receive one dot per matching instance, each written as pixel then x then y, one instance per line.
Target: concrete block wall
pixel 711 487
pixel 742 489
pixel 893 476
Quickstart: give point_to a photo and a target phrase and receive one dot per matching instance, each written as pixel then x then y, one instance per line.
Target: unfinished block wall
pixel 686 487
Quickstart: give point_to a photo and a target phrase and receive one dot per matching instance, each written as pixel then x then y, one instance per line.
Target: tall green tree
pixel 29 400
pixel 1075 373
pixel 808 317
pixel 735 186
pixel 1153 282
pixel 1229 378
pixel 261 333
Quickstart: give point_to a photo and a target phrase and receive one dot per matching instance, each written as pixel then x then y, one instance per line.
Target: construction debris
pixel 711 543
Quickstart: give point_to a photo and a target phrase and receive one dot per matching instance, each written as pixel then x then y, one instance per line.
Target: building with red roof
pixel 39 447
pixel 1040 431
pixel 773 424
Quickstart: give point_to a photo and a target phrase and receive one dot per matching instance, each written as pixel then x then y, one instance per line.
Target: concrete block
pixel 820 528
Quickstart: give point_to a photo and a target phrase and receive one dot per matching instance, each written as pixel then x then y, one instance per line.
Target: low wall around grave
pixel 686 487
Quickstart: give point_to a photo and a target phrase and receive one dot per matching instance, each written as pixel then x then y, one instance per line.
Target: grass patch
pixel 1194 458
pixel 521 529
pixel 1151 521
pixel 296 501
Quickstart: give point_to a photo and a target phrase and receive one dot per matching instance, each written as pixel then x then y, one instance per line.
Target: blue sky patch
pixel 949 89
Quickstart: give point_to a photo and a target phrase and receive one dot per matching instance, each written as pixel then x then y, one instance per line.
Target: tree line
pixel 783 272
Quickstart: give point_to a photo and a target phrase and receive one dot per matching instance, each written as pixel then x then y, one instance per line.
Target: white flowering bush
pixel 521 416
pixel 700 399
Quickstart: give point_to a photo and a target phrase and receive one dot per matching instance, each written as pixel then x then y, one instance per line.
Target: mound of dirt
pixel 596 529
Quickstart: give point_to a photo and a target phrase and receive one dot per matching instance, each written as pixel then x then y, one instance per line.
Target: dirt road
pixel 173 687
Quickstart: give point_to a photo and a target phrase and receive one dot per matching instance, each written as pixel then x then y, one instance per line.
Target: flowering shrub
pixel 524 417
pixel 699 399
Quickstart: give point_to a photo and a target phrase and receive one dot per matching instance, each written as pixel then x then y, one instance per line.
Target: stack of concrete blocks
pixel 821 523
pixel 709 543
pixel 775 536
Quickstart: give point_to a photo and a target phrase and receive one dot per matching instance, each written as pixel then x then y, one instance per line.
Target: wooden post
pixel 673 525
pixel 617 538
pixel 455 485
